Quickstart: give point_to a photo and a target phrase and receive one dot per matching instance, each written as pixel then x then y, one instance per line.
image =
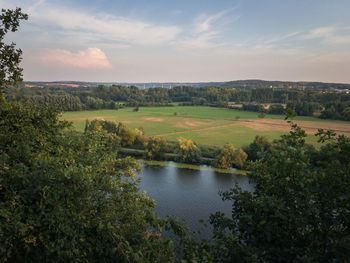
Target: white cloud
pixel 330 35
pixel 203 41
pixel 281 37
pixel 321 32
pixel 204 22
pixel 102 25
pixel 89 58
pixel 205 32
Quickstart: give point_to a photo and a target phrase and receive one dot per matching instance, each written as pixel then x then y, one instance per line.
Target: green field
pixel 206 125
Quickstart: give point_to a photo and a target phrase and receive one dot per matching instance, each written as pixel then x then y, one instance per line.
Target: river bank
pixel 193 167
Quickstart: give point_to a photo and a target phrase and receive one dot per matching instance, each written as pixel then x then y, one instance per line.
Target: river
pixel 189 194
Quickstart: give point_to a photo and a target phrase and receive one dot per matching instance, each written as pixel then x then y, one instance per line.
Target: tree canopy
pixel 10 57
pixel 298 212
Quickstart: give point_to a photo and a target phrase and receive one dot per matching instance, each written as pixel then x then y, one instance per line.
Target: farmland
pixel 206 125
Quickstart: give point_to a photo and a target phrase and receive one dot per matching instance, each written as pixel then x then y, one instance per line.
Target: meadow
pixel 205 125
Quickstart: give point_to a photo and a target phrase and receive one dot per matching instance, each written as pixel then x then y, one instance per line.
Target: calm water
pixel 189 194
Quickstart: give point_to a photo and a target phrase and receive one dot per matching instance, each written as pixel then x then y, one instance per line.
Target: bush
pixel 261 115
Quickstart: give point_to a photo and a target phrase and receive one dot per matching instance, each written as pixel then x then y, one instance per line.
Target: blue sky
pixel 154 40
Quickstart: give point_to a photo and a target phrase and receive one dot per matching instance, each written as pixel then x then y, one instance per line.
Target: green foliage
pixel 127 136
pixel 66 198
pixel 276 109
pixel 240 158
pixel 155 148
pixel 10 57
pixel 257 147
pixel 226 157
pixel 298 212
pixel 336 111
pixel 261 115
pixel 188 151
pixel 230 157
pixel 97 125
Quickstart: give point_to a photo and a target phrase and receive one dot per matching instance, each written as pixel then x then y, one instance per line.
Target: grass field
pixel 206 125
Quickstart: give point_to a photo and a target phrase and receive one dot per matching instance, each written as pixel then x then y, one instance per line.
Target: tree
pixel 10 57
pixel 239 158
pixel 96 125
pixel 298 212
pixel 226 156
pixel 259 145
pixel 346 114
pixel 127 136
pixel 276 109
pixel 229 157
pixel 141 138
pixel 155 148
pixel 188 151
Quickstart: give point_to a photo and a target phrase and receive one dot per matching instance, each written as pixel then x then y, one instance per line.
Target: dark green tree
pixel 10 57
pixel 259 145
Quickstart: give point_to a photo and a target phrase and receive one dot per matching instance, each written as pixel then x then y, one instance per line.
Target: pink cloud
pixel 90 58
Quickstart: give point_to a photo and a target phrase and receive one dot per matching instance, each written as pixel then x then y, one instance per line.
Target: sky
pixel 184 40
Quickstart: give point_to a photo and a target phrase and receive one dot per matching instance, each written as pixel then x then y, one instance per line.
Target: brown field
pixel 309 126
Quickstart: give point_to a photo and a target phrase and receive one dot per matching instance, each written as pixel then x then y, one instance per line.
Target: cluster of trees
pixel 271 109
pixel 183 150
pixel 306 102
pixel 336 111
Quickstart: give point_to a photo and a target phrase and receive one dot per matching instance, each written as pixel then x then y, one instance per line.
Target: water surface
pixel 189 194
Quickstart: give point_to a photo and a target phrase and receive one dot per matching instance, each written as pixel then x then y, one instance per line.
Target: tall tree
pixel 188 151
pixel 10 57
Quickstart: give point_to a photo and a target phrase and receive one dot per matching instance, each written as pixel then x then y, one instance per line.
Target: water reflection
pixel 189 194
pixel 187 178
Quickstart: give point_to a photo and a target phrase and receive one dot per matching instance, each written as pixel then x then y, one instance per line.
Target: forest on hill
pixel 305 101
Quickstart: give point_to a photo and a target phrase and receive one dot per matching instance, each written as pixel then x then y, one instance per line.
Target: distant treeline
pixel 305 101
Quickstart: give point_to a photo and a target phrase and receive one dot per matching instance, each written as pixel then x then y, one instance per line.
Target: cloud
pixel 282 37
pixel 204 22
pixel 330 35
pixel 205 33
pixel 203 41
pixel 102 25
pixel 320 32
pixel 90 58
